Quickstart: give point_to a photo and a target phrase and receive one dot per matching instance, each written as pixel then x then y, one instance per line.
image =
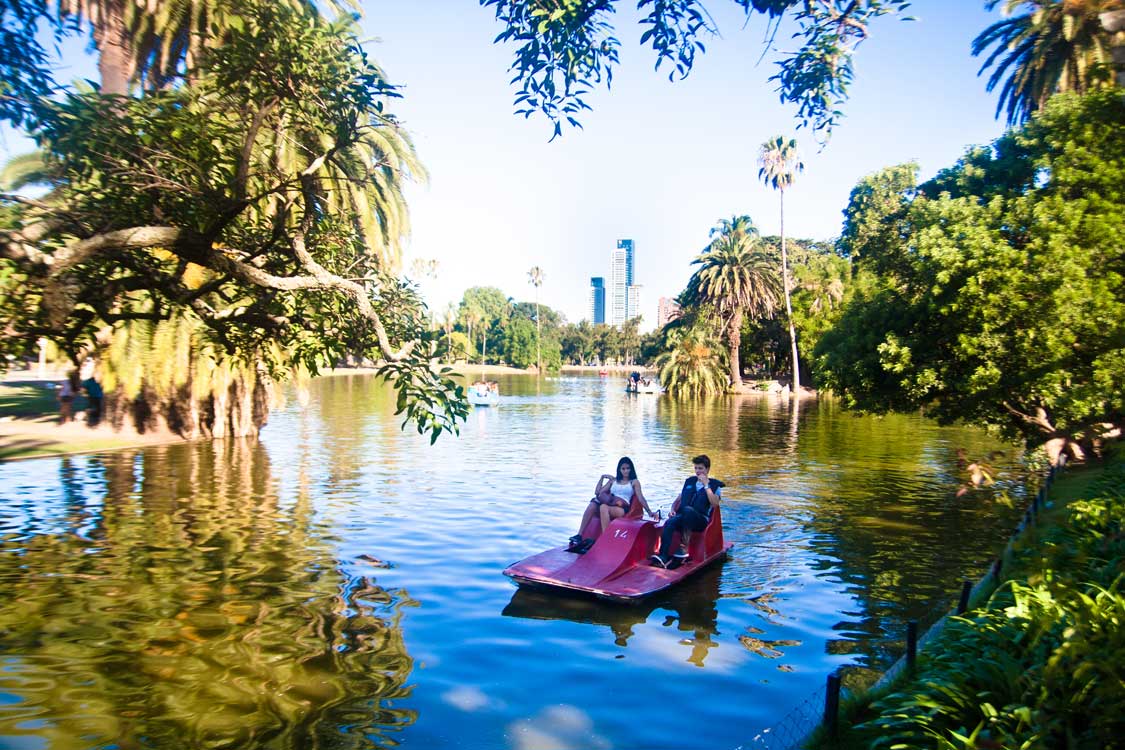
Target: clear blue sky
pixel 657 162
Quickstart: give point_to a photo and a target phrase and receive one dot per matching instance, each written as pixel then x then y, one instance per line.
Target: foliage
pixel 1000 296
pixel 693 365
pixel 1054 46
pixel 873 207
pixel 585 343
pixel 1044 663
pixel 25 75
pixel 262 200
pixel 567 48
pixel 519 343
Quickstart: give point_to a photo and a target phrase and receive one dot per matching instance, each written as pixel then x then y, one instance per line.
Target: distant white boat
pixel 649 387
pixel 484 394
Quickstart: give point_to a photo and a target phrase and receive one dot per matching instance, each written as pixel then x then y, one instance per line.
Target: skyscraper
pixel 632 301
pixel 597 299
pixel 620 281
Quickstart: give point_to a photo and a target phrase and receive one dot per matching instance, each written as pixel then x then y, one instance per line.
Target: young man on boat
pixel 700 494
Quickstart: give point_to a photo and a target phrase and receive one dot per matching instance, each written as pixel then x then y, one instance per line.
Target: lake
pixel 337 583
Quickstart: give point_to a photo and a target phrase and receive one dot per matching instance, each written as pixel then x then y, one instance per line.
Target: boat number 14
pixel 620 533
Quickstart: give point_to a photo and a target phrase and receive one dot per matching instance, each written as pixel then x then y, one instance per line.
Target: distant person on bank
pixel 68 391
pixel 94 396
pixel 697 500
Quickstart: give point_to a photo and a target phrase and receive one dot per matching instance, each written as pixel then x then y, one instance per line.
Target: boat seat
pixel 702 542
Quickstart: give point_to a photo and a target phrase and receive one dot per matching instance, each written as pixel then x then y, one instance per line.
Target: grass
pixel 27 400
pixel 1020 563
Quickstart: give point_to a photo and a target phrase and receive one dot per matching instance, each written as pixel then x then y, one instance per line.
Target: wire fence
pixel 792 729
pixel 821 707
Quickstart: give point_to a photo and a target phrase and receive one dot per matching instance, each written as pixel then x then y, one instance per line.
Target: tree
pixel 1002 300
pixel 519 344
pixel 535 278
pixel 567 48
pixel 734 277
pixel 486 307
pixel 692 365
pixel 779 162
pixel 1057 45
pixel 234 200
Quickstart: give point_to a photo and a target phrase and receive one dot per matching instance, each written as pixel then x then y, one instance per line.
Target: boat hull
pixel 617 566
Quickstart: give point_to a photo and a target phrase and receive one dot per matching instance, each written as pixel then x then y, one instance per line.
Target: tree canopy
pixel 263 199
pixel 1001 285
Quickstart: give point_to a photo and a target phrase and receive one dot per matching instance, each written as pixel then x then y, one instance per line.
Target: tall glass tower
pixel 620 279
pixel 597 299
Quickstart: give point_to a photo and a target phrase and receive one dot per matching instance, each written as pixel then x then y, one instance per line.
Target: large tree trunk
pixel 116 62
pixel 789 304
pixel 734 336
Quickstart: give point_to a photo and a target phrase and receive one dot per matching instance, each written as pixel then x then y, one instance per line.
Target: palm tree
pixel 779 163
pixel 734 277
pixel 693 366
pixel 1056 45
pixel 448 319
pixel 150 40
pixel 535 278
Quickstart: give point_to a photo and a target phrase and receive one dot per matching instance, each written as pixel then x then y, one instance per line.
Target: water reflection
pixel 168 599
pixel 691 608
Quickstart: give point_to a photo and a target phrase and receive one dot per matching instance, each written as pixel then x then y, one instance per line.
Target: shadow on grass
pixel 24 447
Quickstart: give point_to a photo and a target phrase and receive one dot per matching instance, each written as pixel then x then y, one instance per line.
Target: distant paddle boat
pixel 484 394
pixel 643 386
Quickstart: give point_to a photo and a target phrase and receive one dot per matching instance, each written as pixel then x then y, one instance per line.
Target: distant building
pixel 596 306
pixel 667 310
pixel 632 301
pixel 620 281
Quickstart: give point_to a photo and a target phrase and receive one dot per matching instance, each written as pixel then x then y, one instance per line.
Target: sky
pixel 657 162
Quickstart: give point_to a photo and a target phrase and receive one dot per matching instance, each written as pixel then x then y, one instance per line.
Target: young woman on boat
pixel 613 497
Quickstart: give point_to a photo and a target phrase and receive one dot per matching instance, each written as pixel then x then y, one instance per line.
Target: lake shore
pixel 29 418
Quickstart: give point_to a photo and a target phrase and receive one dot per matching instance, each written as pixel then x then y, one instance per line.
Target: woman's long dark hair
pixel 632 466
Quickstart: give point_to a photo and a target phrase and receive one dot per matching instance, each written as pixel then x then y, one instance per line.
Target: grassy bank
pixel 29 428
pixel 1040 662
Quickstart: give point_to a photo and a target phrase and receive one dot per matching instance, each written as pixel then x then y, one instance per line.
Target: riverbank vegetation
pixel 1040 664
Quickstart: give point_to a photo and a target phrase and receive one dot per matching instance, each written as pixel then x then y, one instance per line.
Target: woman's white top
pixel 624 491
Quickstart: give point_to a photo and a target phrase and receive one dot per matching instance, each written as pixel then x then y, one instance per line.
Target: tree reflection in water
pixel 173 601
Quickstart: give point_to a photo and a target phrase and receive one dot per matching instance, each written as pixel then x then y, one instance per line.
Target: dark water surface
pixel 337 583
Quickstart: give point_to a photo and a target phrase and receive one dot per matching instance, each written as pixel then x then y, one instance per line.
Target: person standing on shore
pixel 94 396
pixel 68 391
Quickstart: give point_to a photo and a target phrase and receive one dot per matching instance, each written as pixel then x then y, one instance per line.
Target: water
pixel 337 583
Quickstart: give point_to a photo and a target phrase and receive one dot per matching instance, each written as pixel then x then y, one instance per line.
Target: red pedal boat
pixel 617 566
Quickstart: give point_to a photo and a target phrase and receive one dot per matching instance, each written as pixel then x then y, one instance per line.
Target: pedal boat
pixel 484 397
pixel 618 567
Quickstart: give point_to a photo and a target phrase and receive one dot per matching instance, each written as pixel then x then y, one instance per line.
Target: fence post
pixel 832 704
pixel 911 644
pixel 963 603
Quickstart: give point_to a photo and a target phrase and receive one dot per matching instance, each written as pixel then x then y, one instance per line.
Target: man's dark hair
pixel 702 459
